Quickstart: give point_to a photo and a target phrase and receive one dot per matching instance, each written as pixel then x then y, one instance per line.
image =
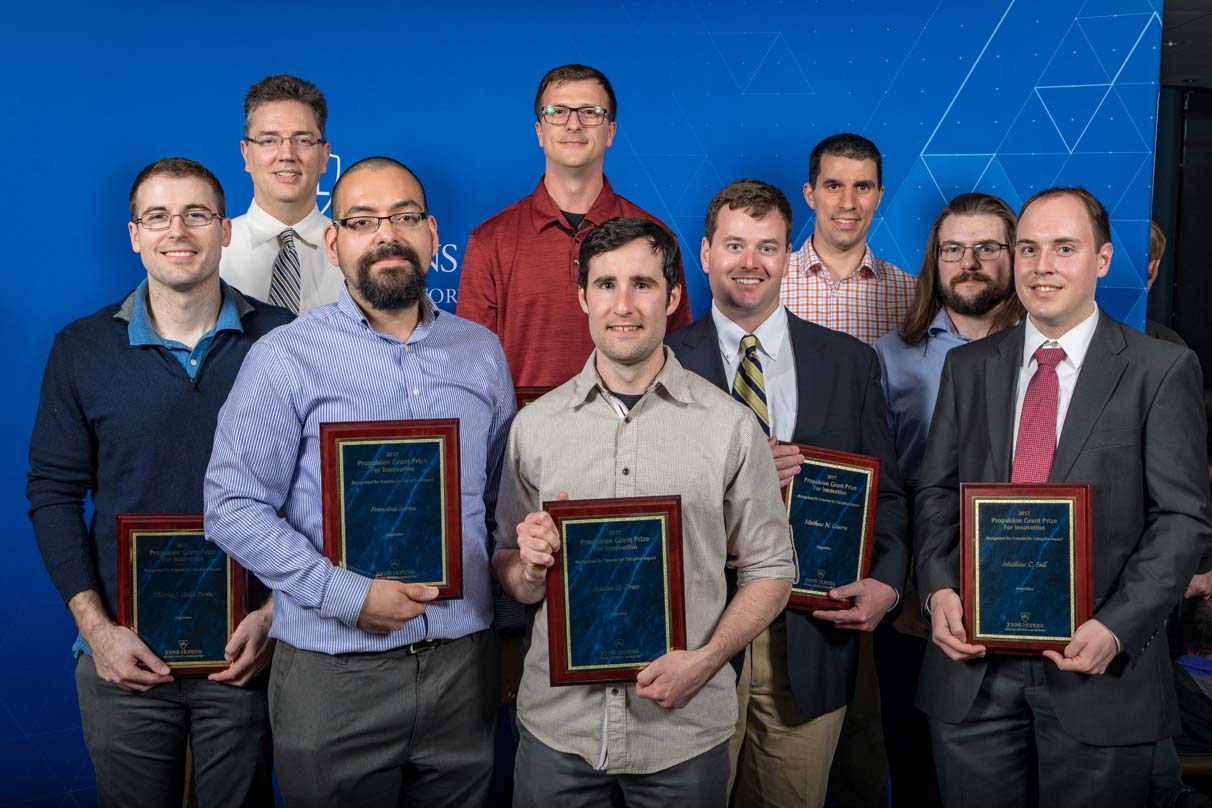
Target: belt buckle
pixel 421 646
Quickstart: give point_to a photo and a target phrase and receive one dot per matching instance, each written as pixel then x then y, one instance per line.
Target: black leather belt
pixel 422 646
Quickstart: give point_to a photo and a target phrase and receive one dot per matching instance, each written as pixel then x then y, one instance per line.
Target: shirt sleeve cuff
pixel 344 596
pixel 507 613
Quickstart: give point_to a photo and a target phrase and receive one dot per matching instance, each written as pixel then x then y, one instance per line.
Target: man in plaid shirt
pixel 834 279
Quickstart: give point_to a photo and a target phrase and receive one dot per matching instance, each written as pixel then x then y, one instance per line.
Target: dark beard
pixel 985 300
pixel 394 288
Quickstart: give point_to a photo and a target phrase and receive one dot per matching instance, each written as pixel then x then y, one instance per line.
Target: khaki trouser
pixel 779 758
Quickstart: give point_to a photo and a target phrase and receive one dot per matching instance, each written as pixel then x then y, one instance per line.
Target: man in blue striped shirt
pixel 379 693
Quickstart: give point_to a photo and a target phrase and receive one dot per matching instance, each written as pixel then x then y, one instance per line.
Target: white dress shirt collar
pixel 771 334
pixel 263 227
pixel 1075 341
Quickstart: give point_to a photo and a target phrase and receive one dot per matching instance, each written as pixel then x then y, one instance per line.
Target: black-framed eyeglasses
pixel 362 223
pixel 984 251
pixel 303 142
pixel 557 115
pixel 162 219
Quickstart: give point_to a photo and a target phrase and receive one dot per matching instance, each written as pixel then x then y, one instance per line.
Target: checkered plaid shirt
pixel 867 304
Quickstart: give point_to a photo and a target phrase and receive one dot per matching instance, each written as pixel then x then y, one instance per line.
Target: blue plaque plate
pixel 831 508
pixel 179 592
pixel 1027 564
pixel 617 602
pixel 392 499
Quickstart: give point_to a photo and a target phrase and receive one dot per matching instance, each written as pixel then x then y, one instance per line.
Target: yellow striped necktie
pixel 749 386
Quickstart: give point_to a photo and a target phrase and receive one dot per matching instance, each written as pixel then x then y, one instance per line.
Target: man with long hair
pixel 964 291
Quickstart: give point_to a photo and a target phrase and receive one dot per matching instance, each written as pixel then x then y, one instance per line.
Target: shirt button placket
pixel 625 478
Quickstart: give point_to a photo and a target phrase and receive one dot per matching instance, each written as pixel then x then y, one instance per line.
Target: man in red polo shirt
pixel 519 275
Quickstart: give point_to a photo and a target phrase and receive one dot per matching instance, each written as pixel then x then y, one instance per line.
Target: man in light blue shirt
pixel 380 695
pixel 964 291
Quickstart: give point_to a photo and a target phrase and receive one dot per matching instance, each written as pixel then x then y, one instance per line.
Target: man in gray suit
pixel 1128 418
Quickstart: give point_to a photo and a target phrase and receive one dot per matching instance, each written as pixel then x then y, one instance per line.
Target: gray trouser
pixel 386 729
pixel 544 777
pixel 137 741
pixel 1011 748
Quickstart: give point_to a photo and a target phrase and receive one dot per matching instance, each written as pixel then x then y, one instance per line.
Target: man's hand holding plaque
pixel 787 460
pixel 538 542
pixel 250 650
pixel 674 679
pixel 1090 651
pixel 871 600
pixel 390 604
pixel 121 658
pixel 947 626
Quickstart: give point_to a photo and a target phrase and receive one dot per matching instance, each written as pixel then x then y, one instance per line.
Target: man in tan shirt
pixel 635 423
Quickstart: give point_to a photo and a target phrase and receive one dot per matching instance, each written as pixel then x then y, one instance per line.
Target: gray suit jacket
pixel 840 406
pixel 1135 430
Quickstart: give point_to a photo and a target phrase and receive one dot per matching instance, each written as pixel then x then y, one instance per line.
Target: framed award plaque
pixel 525 395
pixel 1025 562
pixel 831 508
pixel 391 499
pixel 615 596
pixel 179 592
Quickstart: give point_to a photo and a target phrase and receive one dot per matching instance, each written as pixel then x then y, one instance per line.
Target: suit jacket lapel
pixel 812 376
pixel 1099 376
pixel 1001 379
pixel 702 352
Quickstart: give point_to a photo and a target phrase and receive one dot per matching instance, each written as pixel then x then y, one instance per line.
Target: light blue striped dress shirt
pixel 330 365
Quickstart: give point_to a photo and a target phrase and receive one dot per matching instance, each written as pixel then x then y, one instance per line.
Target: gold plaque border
pixel 976 568
pixel 580 520
pixel 440 440
pixel 833 464
pixel 137 534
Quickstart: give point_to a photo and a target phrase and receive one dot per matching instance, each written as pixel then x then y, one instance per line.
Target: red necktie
pixel 1037 424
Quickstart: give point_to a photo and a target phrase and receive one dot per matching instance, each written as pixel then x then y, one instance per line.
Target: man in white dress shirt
pixel 277 248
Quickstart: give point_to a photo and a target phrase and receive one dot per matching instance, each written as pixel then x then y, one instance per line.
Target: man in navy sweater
pixel 127 415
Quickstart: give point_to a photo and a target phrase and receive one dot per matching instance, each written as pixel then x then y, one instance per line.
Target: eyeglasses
pixel 302 142
pixel 984 251
pixel 162 219
pixel 370 224
pixel 557 115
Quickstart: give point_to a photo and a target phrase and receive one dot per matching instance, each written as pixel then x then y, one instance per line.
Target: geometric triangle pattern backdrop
pixel 1003 96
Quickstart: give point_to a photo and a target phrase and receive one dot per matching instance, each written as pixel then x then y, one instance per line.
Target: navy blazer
pixel 840 405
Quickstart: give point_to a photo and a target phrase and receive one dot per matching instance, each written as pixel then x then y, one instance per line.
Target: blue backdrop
pixel 1006 96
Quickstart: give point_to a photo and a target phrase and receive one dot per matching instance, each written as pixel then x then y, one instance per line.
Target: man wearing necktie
pixel 277 249
pixel 811 385
pixel 1069 395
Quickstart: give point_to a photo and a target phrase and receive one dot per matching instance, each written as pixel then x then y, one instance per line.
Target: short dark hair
pixel 281 87
pixel 177 167
pixel 1197 627
pixel 620 231
pixel 1100 222
pixel 376 163
pixel 755 197
pixel 928 293
pixel 563 73
pixel 850 146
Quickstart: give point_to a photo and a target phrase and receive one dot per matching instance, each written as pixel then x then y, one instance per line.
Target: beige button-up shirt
pixel 684 436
